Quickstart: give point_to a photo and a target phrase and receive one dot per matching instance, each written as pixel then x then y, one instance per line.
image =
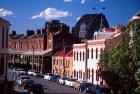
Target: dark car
pixel 55 78
pixel 85 87
pixel 26 83
pixel 36 89
pixel 100 90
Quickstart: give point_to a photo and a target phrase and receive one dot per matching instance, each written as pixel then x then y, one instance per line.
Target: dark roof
pixel 4 21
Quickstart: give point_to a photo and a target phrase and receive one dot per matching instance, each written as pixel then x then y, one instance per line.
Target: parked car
pixel 26 83
pixel 100 90
pixel 70 82
pixel 36 89
pixel 30 72
pixel 62 80
pixel 22 78
pixel 48 76
pixel 36 73
pixel 85 87
pixel 55 78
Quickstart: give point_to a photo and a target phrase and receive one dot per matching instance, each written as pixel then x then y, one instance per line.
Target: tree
pixel 118 71
pixel 135 47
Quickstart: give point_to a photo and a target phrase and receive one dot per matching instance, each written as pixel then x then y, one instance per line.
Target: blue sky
pixel 32 14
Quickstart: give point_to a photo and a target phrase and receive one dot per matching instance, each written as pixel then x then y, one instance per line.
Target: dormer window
pixel 95 37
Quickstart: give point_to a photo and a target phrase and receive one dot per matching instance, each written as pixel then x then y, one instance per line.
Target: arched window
pixel 80 56
pixel 77 56
pixel 83 56
pixel 91 53
pixel 96 53
pixel 74 73
pixel 87 53
pixel 74 55
pixel 92 75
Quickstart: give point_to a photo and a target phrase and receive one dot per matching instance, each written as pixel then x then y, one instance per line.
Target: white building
pixel 106 39
pixel 4 28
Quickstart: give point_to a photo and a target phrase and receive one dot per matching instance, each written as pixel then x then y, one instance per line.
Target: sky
pixel 32 14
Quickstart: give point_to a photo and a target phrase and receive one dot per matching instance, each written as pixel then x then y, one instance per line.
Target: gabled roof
pixel 68 53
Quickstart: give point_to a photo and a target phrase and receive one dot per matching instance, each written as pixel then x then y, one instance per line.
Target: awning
pixel 44 53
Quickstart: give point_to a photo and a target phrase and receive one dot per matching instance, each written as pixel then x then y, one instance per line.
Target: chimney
pixel 38 31
pixel 13 32
pixel 30 32
pixel 43 31
pixel 118 28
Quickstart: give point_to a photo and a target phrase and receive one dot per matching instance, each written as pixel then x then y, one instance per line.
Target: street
pixel 55 88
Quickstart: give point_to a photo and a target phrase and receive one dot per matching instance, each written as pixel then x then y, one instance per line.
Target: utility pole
pixel 64 58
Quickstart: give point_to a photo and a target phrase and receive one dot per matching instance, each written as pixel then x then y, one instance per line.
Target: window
pixel 74 55
pixel 74 73
pixel 92 75
pixel 7 38
pixel 92 53
pixel 3 37
pixel 96 53
pixel 87 53
pixel 77 56
pixel 95 37
pixel 80 56
pixel 83 56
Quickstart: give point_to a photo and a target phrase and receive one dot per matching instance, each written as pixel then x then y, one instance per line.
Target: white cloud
pixel 83 1
pixel 78 18
pixel 51 13
pixel 67 0
pixel 102 0
pixel 4 12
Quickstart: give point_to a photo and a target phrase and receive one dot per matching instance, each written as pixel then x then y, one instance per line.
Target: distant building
pixel 88 53
pixel 4 29
pixel 62 63
pixel 40 46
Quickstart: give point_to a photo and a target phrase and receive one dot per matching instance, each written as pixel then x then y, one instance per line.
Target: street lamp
pixel 33 57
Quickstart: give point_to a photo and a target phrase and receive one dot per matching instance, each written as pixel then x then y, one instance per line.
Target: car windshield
pixel 25 78
pixel 72 79
pixel 50 74
pixel 88 84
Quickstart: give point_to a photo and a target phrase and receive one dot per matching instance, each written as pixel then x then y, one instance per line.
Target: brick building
pixel 40 46
pixel 86 55
pixel 62 63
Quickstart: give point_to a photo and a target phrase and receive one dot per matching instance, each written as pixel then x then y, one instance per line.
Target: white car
pixel 70 82
pixel 62 80
pixel 48 76
pixel 30 72
pixel 36 73
pixel 22 78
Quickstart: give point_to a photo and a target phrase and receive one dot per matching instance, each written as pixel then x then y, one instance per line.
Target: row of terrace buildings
pixel 81 62
pixel 37 47
pixel 54 49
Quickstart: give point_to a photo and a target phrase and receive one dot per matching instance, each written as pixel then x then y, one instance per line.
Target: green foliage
pixel 121 65
pixel 135 47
